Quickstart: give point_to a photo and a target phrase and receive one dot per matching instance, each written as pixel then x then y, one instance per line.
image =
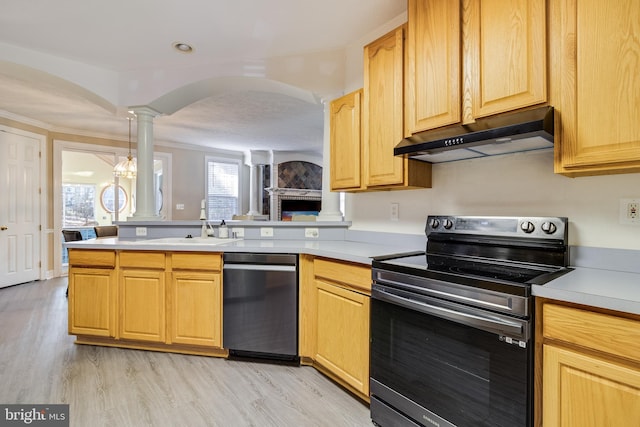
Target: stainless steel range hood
pixel 489 136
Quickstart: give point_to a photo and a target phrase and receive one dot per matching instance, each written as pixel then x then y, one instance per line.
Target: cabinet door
pixel 92 301
pixel 504 55
pixel 598 73
pixel 580 390
pixel 346 142
pixel 383 109
pixel 433 95
pixel 343 334
pixel 196 308
pixel 142 305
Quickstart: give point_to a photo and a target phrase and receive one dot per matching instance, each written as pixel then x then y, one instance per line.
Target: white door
pixel 19 209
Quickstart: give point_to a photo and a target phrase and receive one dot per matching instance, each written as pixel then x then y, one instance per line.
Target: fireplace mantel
pixel 277 195
pixel 294 192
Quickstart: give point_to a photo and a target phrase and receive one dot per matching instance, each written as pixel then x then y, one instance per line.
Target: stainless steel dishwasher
pixel 260 305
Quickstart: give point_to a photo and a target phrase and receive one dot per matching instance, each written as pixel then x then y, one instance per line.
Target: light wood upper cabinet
pixel 504 55
pixel 346 142
pixel 473 58
pixel 596 73
pixel 590 372
pixel 433 90
pixel 383 117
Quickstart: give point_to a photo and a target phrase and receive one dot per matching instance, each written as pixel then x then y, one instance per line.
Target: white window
pixel 78 205
pixel 223 188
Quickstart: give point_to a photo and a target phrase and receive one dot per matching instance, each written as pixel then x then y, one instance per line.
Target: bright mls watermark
pixel 34 415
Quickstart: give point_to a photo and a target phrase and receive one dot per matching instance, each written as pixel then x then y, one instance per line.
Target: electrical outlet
pixel 266 232
pixel 630 211
pixel 395 211
pixel 311 232
pixel 237 231
pixel 141 231
pixel 180 206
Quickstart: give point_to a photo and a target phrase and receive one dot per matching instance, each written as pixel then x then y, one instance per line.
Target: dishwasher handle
pixel 259 258
pixel 259 267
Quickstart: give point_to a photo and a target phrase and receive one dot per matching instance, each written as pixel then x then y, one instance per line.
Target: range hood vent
pixel 489 136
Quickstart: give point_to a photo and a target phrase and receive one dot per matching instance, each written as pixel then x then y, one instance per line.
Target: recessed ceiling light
pixel 182 47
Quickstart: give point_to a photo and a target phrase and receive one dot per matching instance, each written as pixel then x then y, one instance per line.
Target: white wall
pixel 516 184
pixel 354 52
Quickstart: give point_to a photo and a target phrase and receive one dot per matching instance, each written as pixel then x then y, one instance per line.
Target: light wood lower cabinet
pixel 92 293
pixel 196 300
pixel 334 330
pixel 142 296
pixel 343 334
pixel 156 301
pixel 590 368
pixel 142 305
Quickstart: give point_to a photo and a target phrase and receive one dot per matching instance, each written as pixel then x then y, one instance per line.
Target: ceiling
pixel 254 81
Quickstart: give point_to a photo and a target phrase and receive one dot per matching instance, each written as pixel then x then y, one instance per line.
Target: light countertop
pixel 614 290
pixel 359 252
pixel 597 287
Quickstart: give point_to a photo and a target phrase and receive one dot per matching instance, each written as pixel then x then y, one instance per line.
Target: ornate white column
pixel 255 158
pixel 253 190
pixel 330 200
pixel 145 194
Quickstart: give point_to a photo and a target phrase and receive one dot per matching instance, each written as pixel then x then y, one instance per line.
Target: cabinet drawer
pixel 193 261
pixel 139 259
pixel 599 331
pixel 92 258
pixel 357 276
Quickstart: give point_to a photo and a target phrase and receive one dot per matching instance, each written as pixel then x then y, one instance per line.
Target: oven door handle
pixel 492 324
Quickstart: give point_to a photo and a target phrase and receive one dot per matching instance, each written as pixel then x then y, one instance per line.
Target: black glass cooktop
pixel 429 265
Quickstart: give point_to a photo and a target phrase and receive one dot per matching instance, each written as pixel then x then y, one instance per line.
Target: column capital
pixel 257 157
pixel 143 110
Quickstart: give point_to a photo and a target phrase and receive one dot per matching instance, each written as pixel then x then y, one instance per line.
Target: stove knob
pixel 434 223
pixel 548 227
pixel 447 223
pixel 527 227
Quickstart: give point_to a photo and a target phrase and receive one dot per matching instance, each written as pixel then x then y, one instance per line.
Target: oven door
pixel 439 363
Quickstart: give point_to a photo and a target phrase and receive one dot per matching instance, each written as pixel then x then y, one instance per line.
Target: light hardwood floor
pixel 39 363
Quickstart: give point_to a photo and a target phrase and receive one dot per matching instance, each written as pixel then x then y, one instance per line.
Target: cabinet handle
pixel 4 227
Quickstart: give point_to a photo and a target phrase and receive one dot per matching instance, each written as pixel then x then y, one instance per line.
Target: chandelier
pixel 127 168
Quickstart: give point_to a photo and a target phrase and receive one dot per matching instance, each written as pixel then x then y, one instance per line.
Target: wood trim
pixel 348 275
pixel 307 308
pixel 335 378
pixel 91 258
pixel 196 261
pixel 142 259
pixel 173 348
pixel 603 332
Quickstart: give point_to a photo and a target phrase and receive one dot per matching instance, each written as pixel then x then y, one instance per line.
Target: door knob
pixel 4 227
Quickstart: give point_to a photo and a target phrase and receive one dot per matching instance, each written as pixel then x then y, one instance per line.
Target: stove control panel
pixel 528 227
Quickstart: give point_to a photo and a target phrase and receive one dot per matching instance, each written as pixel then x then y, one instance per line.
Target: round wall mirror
pixel 108 200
